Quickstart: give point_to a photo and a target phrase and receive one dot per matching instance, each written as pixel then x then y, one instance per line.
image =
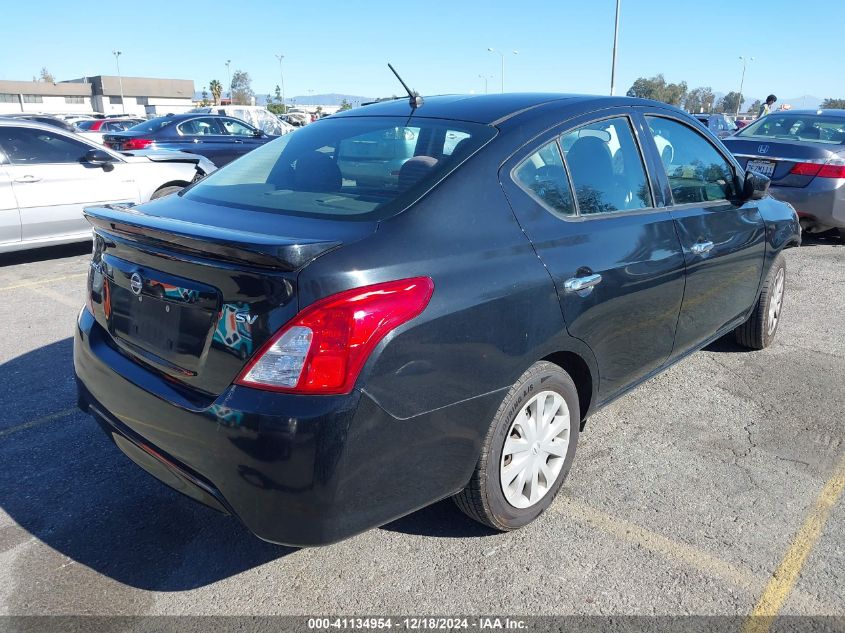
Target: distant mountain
pixel 804 102
pixel 330 99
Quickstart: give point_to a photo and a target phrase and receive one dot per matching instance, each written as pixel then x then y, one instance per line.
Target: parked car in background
pixel 45 119
pixel 48 175
pixel 721 125
pixel 75 118
pixel 297 117
pixel 803 152
pixel 94 129
pixel 221 139
pixel 256 116
pixel 317 354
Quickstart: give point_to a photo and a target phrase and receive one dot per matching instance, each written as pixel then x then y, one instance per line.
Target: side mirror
pixel 258 134
pixel 755 185
pixel 100 158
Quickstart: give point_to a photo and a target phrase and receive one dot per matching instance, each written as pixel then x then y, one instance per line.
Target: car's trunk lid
pixel 191 290
pixel 776 158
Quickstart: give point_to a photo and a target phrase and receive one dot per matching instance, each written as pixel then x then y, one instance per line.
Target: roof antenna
pixel 414 98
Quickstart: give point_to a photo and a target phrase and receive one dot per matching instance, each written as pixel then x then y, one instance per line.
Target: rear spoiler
pixel 255 249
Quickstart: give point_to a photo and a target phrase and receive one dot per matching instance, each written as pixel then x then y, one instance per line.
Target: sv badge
pixel 245 317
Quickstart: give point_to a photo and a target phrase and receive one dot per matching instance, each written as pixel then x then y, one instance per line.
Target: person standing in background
pixel 767 107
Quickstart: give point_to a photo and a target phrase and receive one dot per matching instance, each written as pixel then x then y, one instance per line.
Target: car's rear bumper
pixel 823 201
pixel 298 470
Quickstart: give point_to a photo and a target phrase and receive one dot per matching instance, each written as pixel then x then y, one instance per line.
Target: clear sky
pixel 438 46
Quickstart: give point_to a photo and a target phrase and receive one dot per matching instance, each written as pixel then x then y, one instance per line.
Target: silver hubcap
pixel 535 449
pixel 776 302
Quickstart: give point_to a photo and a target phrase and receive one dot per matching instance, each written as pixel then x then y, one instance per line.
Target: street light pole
pixel 485 78
pixel 280 57
pixel 742 82
pixel 229 75
pixel 117 55
pixel 615 42
pixel 502 55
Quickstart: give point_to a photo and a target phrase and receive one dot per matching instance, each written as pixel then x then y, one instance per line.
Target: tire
pixel 164 191
pixel 760 329
pixel 842 234
pixel 484 498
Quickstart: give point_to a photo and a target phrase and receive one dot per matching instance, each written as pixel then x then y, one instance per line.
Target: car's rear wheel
pixel 527 452
pixel 164 191
pixel 760 329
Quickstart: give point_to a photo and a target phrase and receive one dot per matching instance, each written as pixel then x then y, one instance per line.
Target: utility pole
pixel 615 43
pixel 280 57
pixel 117 55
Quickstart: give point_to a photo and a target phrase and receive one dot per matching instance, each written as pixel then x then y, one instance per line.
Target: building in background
pixel 143 96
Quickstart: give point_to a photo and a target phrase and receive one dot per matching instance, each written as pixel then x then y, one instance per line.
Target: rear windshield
pixel 153 125
pixel 799 127
pixel 357 168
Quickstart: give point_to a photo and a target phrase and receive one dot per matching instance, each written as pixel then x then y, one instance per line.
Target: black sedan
pixel 319 355
pixel 221 139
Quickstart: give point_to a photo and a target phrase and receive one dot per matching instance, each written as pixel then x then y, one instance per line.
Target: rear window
pixel 153 125
pixel 357 168
pixel 798 127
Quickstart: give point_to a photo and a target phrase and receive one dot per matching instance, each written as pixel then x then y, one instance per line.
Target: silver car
pixel 803 152
pixel 47 176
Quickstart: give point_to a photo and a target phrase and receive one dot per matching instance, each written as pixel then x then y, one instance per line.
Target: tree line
pixel 699 99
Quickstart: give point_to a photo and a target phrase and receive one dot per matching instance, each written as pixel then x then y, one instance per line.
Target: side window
pixel 543 175
pixel 453 141
pixel 697 171
pixel 198 127
pixel 606 167
pixel 28 146
pixel 235 127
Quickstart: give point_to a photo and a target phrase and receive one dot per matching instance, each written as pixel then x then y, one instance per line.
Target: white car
pixel 47 176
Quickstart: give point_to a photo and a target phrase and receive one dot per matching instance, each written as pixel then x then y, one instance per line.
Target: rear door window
pixel 204 126
pixel 697 171
pixel 544 177
pixel 606 167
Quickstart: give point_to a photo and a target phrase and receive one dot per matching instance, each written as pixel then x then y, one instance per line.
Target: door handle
pixel 577 284
pixel 238 141
pixel 28 178
pixel 700 248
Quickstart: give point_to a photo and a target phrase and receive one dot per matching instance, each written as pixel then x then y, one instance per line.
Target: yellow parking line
pixel 37 422
pixel 49 293
pixel 786 575
pixel 40 282
pixel 678 552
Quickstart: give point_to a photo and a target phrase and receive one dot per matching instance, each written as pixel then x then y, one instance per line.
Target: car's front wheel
pixel 760 329
pixel 527 452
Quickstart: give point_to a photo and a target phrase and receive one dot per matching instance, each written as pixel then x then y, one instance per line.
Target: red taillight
pixel 136 143
pixel 805 169
pixel 834 168
pixel 322 350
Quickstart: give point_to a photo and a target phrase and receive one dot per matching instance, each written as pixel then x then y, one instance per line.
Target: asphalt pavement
pixel 686 496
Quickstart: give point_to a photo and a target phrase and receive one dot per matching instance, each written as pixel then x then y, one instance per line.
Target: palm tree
pixel 216 90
